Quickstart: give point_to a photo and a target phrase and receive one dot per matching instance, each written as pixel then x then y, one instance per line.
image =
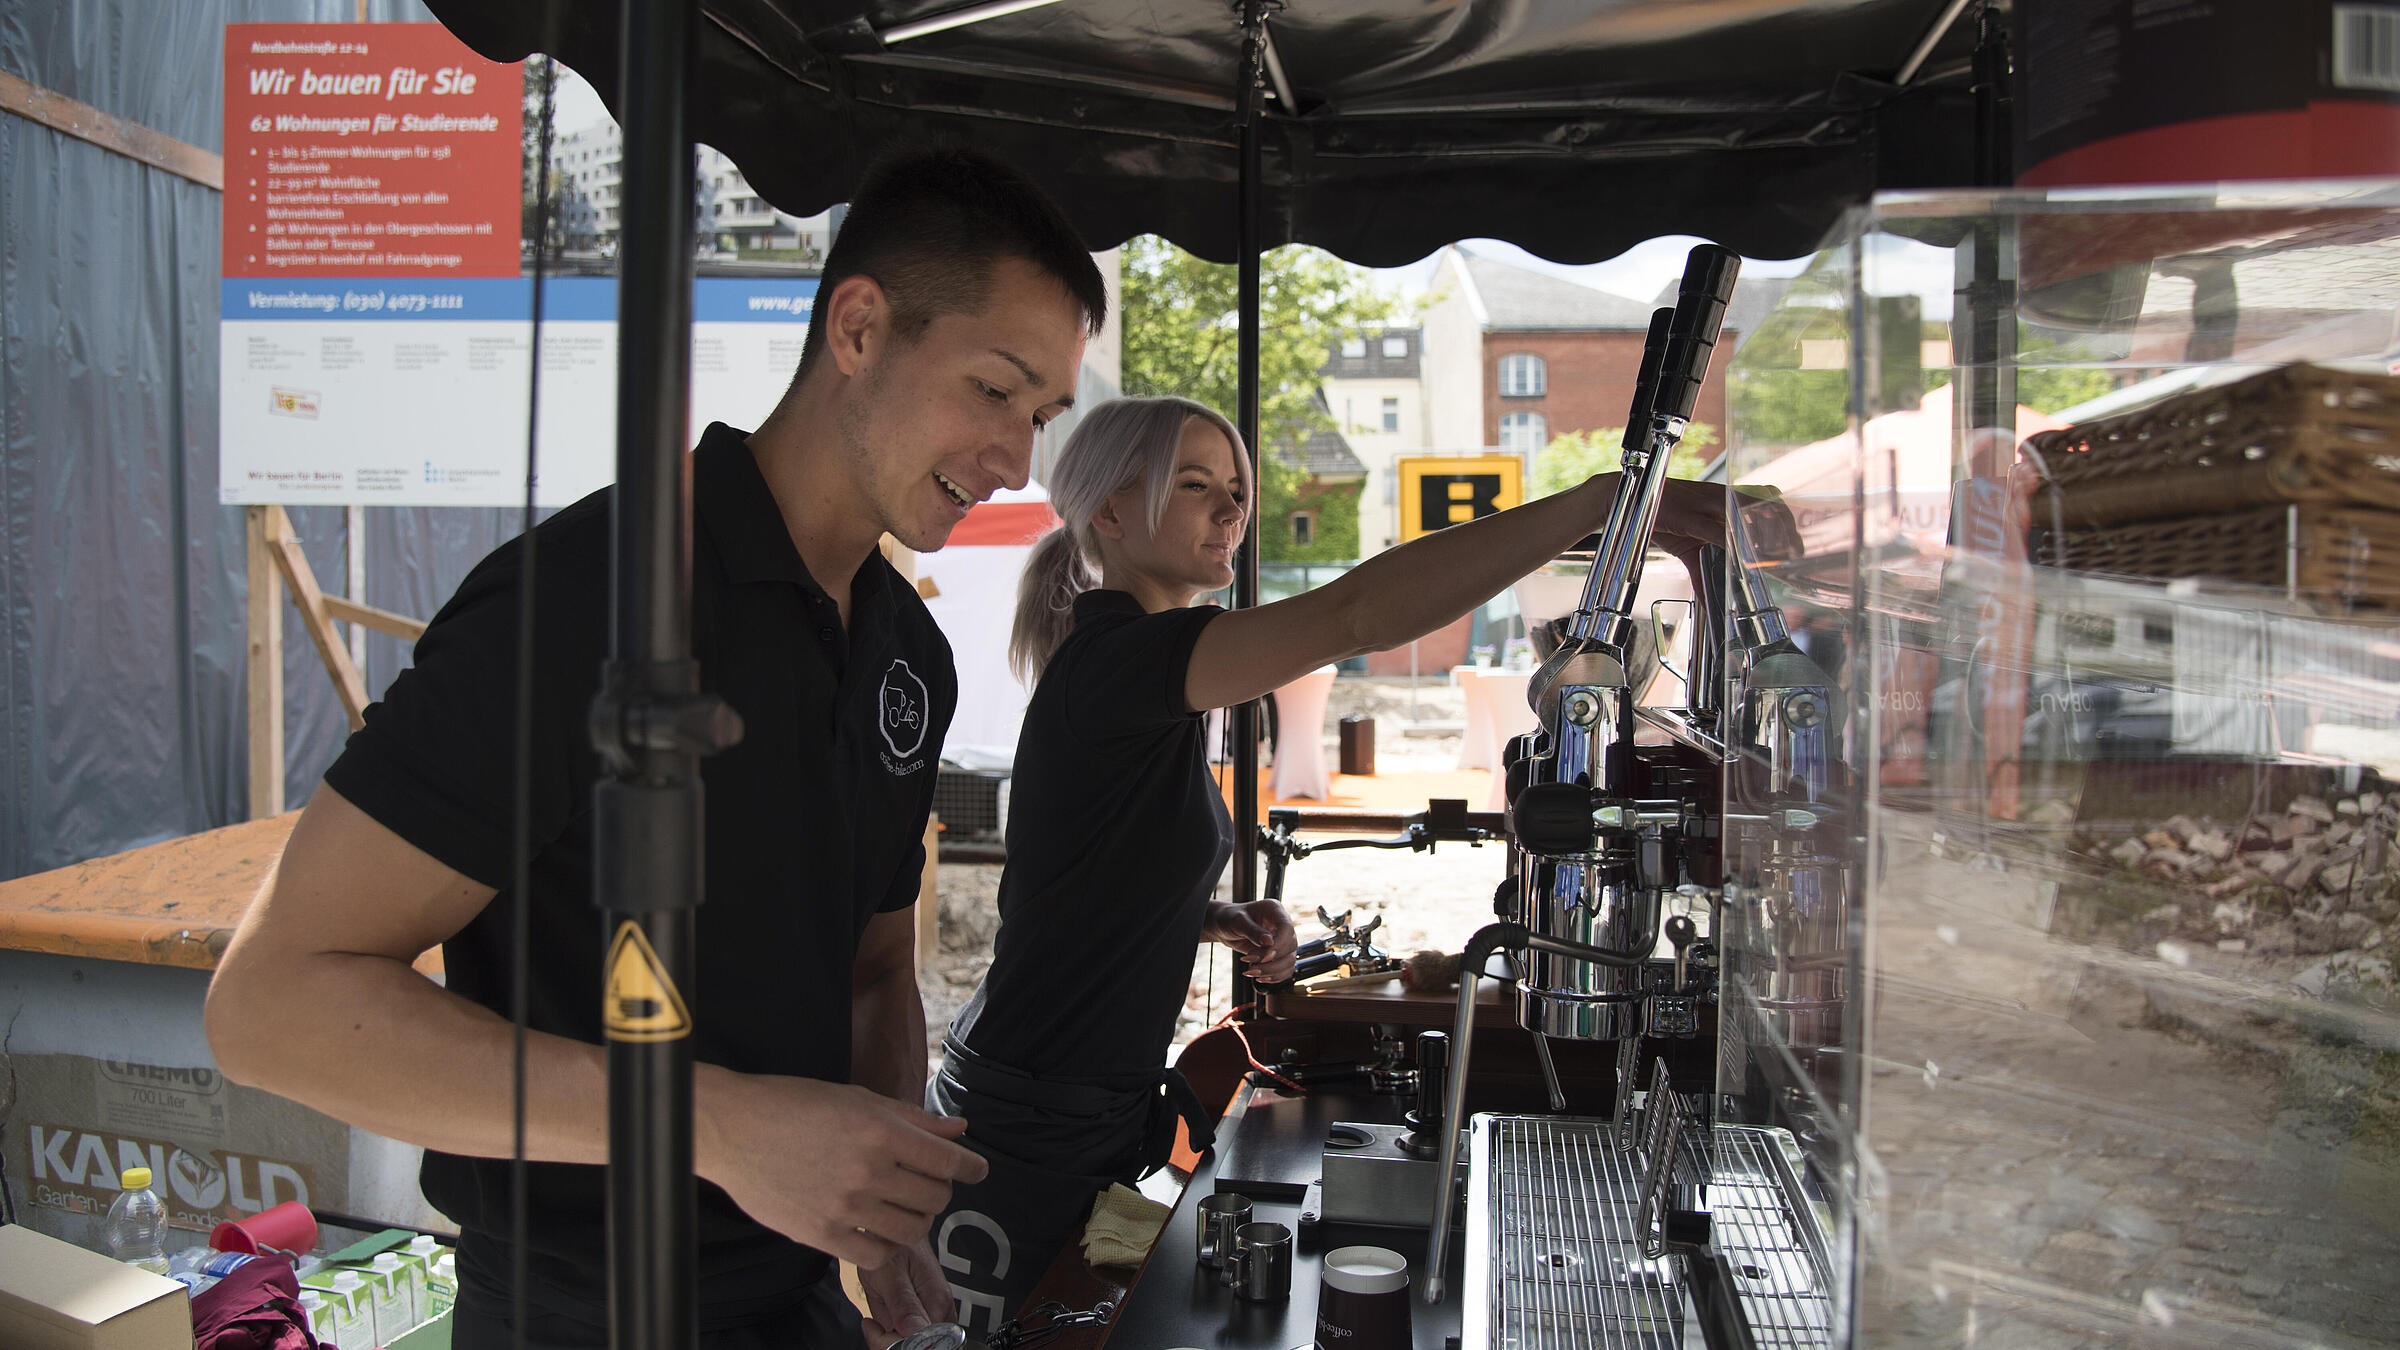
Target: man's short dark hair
pixel 929 224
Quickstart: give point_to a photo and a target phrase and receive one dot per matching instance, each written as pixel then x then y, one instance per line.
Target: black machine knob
pixel 1553 818
pixel 1517 761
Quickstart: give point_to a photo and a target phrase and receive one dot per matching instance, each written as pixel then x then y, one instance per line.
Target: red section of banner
pixel 1003 523
pixel 2328 139
pixel 369 150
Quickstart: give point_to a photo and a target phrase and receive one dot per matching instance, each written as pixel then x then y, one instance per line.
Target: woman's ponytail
pixel 1055 574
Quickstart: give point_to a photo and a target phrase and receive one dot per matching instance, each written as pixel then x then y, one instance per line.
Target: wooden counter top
pixel 170 904
pixel 1391 1003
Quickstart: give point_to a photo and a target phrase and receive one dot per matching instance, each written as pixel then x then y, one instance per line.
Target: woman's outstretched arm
pixel 1407 592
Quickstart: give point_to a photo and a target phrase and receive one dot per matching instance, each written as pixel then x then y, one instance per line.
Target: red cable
pixel 1250 1054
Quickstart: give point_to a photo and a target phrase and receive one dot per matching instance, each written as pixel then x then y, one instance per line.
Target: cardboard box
pixel 57 1296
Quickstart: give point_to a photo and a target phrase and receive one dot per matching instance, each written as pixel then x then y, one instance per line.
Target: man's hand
pixel 1259 932
pixel 872 1172
pixel 907 1294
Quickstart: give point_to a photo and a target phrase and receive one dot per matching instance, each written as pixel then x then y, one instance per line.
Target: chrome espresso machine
pixel 1686 895
pixel 1994 945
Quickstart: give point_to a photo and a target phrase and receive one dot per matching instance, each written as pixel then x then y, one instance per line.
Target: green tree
pixel 2047 389
pixel 1182 337
pixel 536 67
pixel 1786 406
pixel 1287 492
pixel 1568 460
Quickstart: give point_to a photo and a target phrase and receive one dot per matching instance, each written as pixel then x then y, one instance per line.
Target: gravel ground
pixel 1426 900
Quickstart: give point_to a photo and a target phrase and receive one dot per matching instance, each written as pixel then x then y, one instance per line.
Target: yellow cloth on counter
pixel 1124 1223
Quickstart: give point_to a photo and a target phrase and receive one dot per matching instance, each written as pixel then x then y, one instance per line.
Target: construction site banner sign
pixel 375 321
pixel 1439 491
pixel 369 150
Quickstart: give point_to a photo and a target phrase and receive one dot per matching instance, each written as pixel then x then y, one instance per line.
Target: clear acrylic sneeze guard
pixel 2072 969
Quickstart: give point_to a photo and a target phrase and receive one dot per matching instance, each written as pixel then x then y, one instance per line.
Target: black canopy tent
pixel 1575 128
pixel 1376 129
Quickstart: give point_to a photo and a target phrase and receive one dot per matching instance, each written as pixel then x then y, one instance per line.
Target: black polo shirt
pixel 1116 836
pixel 815 824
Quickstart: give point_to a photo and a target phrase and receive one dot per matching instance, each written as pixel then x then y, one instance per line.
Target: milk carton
pixel 347 1320
pixel 441 1285
pixel 396 1290
pixel 420 1254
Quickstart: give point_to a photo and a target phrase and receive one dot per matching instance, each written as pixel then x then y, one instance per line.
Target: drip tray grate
pixel 1555 1253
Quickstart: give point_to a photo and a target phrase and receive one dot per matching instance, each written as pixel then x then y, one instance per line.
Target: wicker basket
pixel 2348 558
pixel 2289 478
pixel 2297 434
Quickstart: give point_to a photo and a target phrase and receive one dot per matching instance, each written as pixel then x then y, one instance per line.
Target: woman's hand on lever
pixel 1691 516
pixel 1259 932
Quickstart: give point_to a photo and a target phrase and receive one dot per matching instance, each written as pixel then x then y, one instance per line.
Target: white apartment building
pixel 733 217
pixel 741 220
pixel 1373 384
pixel 591 163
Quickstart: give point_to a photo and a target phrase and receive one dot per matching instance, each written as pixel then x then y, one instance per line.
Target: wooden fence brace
pixel 264 622
pixel 274 560
pixel 310 597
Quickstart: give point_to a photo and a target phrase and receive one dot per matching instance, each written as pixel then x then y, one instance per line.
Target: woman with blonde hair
pixel 1117 833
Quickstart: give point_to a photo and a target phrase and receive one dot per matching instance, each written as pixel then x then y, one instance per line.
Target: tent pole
pixel 650 722
pixel 1244 717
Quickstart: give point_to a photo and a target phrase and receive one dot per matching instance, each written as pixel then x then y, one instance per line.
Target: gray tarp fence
pixel 122 713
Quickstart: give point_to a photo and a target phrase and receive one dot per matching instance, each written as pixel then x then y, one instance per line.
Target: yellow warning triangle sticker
pixel 640 1003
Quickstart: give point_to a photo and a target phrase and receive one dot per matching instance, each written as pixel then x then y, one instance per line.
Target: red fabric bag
pixel 257 1307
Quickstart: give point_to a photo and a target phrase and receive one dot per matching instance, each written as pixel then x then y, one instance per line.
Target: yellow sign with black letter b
pixel 1438 491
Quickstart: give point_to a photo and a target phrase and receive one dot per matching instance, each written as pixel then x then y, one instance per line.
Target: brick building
pixel 1529 357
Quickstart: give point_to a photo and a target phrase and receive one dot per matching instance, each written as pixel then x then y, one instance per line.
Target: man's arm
pixel 887 1054
pixel 315 1000
pixel 887 1014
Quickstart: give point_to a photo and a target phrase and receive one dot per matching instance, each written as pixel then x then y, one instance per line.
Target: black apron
pixel 1053 1145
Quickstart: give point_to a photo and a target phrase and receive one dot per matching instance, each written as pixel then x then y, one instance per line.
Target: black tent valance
pixel 1575 128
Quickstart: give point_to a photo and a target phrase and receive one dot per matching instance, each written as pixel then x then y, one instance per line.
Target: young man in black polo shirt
pixel 949 326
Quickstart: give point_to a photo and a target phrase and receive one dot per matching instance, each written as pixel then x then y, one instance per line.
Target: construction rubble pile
pixel 2316 878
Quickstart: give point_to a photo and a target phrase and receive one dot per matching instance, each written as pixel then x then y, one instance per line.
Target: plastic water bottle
pixel 184 1268
pixel 137 1223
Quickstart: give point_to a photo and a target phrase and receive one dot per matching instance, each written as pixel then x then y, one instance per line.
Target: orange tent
pixel 1907 468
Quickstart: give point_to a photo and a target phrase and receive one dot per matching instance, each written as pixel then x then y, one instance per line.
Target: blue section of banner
pixel 753 300
pixel 323 298
pixel 566 299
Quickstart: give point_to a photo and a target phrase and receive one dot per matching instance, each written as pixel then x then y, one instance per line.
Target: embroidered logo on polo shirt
pixel 903 708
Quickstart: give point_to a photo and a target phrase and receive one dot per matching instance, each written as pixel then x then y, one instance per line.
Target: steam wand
pixel 1490 938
